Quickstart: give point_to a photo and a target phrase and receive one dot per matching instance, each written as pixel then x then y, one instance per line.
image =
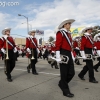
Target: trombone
pixel 6 58
pixel 7 50
pixel 32 55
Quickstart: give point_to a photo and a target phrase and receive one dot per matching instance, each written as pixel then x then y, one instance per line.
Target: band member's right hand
pixel 3 50
pixel 58 59
pixel 77 48
pixel 83 54
pixel 95 47
pixel 28 50
pixel 73 56
pixel 98 52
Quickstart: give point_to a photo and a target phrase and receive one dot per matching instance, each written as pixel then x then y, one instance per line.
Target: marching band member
pixel 40 49
pixel 53 63
pixel 64 47
pixel 46 52
pixel 76 46
pixel 31 47
pixel 23 51
pixel 97 47
pixel 8 48
pixel 86 48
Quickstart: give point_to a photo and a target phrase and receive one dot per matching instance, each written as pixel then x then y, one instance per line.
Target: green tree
pixel 51 39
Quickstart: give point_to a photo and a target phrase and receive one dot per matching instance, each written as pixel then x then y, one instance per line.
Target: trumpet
pixel 32 55
pixel 7 50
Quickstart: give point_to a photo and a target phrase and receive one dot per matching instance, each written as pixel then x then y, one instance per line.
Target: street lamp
pixel 27 22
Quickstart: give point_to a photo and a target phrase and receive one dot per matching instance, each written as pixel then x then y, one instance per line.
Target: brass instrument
pixel 64 59
pixel 6 58
pixel 7 50
pixel 88 57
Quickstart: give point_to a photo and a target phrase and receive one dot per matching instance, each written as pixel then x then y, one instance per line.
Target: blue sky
pixel 47 14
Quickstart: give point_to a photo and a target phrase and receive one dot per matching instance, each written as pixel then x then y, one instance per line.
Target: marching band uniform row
pixel 64 45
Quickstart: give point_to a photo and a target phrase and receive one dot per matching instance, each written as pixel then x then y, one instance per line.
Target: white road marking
pixel 76 69
pixel 38 72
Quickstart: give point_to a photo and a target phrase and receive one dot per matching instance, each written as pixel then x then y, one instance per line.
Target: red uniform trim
pixel 61 42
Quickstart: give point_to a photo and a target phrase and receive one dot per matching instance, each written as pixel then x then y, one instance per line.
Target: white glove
pixel 3 50
pixel 83 54
pixel 58 59
pixel 28 50
pixel 98 39
pixel 53 51
pixel 44 49
pixel 5 36
pixel 77 48
pixel 38 51
pixel 15 50
pixel 95 47
pixel 73 56
pixel 98 52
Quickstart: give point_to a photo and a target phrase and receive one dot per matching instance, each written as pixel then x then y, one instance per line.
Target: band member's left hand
pixel 73 56
pixel 15 50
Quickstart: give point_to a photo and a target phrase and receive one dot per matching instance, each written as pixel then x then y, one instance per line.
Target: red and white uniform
pixel 97 44
pixel 61 41
pixel 86 43
pixel 29 43
pixel 75 44
pixel 3 43
pixel 53 49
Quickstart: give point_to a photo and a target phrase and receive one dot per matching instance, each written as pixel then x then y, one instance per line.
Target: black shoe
pixel 82 78
pixel 35 73
pixel 56 67
pixel 28 70
pixel 93 81
pixel 9 80
pixel 70 95
pixel 96 70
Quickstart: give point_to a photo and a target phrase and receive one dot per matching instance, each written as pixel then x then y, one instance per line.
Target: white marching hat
pixel 74 37
pixel 87 28
pixel 3 31
pixel 64 22
pixel 95 37
pixel 31 31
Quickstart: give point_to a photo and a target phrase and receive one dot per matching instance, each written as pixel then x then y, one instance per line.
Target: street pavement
pixel 26 86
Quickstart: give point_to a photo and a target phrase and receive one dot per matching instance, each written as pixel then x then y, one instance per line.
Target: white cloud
pixel 3 19
pixel 48 15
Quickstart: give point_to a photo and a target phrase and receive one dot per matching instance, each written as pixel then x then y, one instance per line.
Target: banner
pixel 76 31
pixel 39 32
